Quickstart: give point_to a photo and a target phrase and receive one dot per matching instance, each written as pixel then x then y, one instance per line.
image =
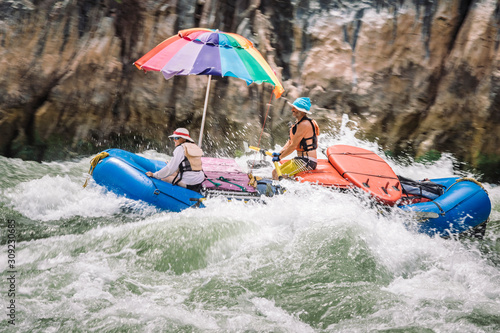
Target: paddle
pixel 265 152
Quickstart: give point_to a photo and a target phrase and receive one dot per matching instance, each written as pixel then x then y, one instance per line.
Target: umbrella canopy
pixel 200 51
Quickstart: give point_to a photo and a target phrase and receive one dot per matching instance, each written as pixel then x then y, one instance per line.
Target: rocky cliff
pixel 417 75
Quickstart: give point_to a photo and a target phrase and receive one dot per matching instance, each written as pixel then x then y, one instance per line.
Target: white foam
pixel 57 197
pixel 108 277
pixel 286 321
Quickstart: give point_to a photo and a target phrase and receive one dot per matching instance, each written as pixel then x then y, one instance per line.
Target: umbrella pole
pixel 204 111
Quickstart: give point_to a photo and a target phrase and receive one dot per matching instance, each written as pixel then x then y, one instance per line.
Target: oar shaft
pixel 277 166
pixel 261 150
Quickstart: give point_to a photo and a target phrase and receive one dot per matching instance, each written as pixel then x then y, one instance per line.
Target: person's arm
pixel 294 142
pixel 172 165
pixel 287 144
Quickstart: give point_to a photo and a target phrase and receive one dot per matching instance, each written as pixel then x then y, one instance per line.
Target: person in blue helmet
pixel 303 139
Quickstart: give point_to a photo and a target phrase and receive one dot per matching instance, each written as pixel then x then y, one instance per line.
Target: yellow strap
pixel 253 180
pixel 93 164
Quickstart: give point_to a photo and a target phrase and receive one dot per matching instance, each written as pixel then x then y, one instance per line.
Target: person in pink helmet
pixel 185 168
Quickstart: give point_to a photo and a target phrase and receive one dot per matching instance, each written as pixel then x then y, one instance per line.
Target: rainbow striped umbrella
pixel 200 51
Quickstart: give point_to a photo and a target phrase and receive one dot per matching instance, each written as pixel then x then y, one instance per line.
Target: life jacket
pixel 191 161
pixel 313 140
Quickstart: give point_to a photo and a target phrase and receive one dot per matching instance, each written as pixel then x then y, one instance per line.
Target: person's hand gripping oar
pixel 275 161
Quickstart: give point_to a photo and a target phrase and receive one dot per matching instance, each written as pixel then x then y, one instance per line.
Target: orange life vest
pixel 310 143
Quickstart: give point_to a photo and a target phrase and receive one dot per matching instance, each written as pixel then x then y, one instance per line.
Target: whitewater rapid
pixel 311 260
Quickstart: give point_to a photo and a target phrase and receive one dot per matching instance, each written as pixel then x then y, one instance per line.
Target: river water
pixel 311 260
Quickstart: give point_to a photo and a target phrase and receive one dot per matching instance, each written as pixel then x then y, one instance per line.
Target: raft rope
pixel 467 179
pixel 243 189
pixel 360 155
pixel 93 164
pixel 215 184
pixel 464 179
pixel 366 174
pixel 441 211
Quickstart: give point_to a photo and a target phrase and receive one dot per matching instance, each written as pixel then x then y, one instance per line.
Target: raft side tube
pixel 124 174
pixel 464 206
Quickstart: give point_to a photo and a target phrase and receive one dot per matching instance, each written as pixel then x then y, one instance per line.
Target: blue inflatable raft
pixel 463 208
pixel 124 173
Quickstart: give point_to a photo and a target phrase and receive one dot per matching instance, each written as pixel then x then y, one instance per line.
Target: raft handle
pixel 396 187
pixel 199 201
pixel 385 188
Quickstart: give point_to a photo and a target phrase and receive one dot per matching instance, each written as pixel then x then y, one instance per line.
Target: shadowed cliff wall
pixel 417 75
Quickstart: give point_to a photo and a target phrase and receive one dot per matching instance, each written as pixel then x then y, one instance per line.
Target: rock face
pixel 417 75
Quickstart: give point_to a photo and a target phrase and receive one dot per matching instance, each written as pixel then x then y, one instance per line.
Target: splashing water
pixel 311 260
